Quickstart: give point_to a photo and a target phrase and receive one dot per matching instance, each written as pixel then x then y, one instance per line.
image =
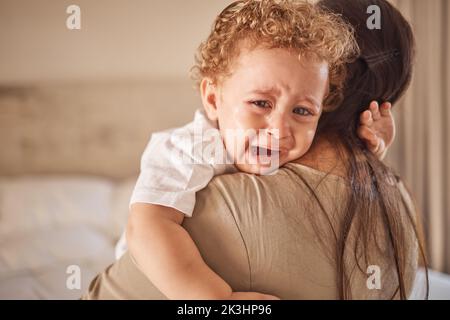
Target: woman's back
pixel 283 227
pixel 270 234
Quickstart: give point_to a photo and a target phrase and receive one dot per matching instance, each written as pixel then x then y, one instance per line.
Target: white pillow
pixel 119 205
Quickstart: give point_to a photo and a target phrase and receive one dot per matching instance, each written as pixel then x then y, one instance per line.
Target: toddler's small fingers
pixel 366 134
pixel 385 109
pixel 374 145
pixel 375 110
pixel 366 118
pixel 269 297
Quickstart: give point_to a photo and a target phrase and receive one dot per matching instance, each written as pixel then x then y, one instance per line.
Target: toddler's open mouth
pixel 264 155
pixel 262 151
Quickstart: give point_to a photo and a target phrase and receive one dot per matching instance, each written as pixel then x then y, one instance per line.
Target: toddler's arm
pixel 167 255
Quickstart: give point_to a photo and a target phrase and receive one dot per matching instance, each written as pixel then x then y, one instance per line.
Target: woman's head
pixel 384 68
pixel 382 72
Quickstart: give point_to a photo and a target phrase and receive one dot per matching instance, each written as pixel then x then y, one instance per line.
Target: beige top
pixel 257 232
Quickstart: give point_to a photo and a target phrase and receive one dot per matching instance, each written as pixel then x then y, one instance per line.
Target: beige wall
pixel 86 101
pixel 118 39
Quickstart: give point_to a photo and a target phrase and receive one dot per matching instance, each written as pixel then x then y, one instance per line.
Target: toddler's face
pixel 273 93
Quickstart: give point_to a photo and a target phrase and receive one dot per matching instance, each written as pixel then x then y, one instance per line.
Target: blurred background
pixel 77 108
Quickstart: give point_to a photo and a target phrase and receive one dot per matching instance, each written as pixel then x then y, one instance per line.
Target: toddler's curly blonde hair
pixel 291 24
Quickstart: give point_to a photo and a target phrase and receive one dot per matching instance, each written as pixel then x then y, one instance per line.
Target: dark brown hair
pixel 382 73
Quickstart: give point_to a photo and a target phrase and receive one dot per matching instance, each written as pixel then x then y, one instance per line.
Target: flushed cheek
pixel 230 117
pixel 236 140
pixel 244 119
pixel 235 125
pixel 304 141
pixel 310 135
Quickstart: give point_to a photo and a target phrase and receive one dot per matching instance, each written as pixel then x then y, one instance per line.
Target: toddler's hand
pixel 251 296
pixel 377 128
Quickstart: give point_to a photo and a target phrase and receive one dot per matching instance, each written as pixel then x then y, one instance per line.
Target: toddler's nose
pixel 279 126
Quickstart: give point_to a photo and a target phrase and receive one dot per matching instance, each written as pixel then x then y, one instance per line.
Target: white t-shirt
pixel 176 164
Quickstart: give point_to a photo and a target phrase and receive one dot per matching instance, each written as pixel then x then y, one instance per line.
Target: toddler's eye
pixel 261 103
pixel 302 111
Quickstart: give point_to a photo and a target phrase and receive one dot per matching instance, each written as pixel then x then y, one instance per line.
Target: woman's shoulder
pixel 292 186
pixel 290 176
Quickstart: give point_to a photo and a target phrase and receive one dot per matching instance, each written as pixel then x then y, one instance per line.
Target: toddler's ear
pixel 209 95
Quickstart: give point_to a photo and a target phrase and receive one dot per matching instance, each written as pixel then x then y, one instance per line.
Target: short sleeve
pixel 174 165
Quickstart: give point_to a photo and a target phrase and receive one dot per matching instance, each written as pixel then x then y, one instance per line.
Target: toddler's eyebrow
pixel 271 90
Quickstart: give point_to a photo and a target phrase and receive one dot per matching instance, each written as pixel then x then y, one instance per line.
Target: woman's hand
pixel 251 296
pixel 377 128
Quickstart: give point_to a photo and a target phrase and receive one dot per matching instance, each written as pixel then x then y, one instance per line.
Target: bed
pixel 49 225
pixel 68 164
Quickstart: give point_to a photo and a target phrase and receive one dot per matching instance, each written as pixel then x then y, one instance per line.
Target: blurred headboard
pixel 96 128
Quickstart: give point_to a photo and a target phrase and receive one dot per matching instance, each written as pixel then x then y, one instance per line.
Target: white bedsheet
pixel 50 223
